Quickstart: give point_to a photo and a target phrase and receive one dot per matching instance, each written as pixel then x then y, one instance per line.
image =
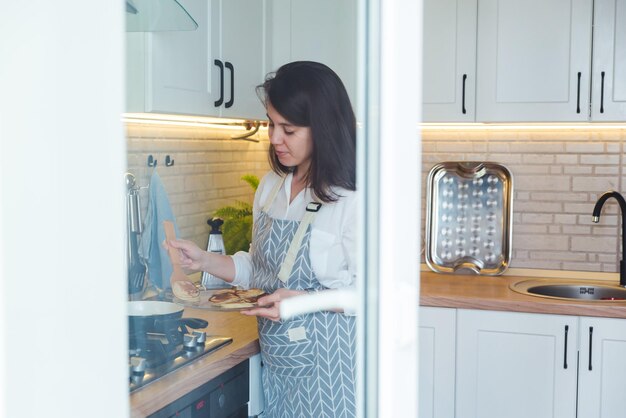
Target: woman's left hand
pixel 269 306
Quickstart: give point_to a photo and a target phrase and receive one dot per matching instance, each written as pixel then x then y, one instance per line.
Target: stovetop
pixel 153 355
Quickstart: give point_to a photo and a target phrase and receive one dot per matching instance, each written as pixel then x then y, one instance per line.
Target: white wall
pixel 62 306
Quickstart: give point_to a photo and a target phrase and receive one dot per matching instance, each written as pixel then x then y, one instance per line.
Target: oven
pixel 225 396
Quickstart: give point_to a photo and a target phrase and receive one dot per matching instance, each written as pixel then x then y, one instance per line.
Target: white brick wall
pixel 206 173
pixel 558 175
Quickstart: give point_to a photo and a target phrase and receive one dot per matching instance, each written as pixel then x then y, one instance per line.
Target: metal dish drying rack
pixel 469 217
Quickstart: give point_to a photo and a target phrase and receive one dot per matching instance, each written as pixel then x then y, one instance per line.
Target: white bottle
pixel 215 245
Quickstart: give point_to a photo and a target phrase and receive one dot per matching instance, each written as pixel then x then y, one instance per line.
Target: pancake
pixel 185 290
pixel 250 293
pixel 236 299
pixel 224 297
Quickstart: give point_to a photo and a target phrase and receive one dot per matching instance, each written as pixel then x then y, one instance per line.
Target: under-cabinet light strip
pixel 238 124
pixel 190 121
pixel 521 127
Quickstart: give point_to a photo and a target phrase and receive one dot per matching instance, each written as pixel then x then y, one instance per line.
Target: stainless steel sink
pixel 592 291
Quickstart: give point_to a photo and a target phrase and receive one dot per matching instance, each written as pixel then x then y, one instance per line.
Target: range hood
pixel 157 16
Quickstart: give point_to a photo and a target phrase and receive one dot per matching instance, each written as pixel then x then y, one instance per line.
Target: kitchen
pixel 546 208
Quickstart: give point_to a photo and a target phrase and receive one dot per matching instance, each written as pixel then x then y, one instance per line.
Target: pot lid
pixel 157 16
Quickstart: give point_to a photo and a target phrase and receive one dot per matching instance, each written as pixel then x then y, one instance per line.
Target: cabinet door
pixel 323 30
pixel 608 99
pixel 515 365
pixel 436 362
pixel 178 67
pixel 534 60
pixel 602 368
pixel 242 46
pixel 449 64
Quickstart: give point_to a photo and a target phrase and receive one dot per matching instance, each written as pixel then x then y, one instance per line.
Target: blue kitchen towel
pixel 151 246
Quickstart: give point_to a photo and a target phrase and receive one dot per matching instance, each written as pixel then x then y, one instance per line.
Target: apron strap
pixel 272 195
pixel 285 270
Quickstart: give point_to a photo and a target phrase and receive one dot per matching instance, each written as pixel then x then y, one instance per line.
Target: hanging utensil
pixel 136 266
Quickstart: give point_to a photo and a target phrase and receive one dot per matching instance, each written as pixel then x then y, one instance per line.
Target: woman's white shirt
pixel 332 247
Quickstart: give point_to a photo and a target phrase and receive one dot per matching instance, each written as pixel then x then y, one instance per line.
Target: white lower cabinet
pixel 602 368
pixel 515 365
pixel 436 362
pixel 491 364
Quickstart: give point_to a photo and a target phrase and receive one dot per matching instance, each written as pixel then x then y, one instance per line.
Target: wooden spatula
pixel 182 287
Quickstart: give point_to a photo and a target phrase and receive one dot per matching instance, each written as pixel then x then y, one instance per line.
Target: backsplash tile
pixel 206 174
pixel 558 176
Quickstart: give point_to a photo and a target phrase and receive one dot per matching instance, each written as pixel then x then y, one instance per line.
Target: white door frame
pixel 389 161
pixel 62 162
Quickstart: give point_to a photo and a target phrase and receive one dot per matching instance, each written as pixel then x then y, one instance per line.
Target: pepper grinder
pixel 215 245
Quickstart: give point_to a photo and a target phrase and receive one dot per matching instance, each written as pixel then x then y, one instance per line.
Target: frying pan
pixel 157 316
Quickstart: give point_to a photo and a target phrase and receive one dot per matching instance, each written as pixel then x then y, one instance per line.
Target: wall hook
pixel 152 162
pixel 169 161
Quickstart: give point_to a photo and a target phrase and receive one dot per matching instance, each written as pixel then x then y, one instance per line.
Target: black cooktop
pixel 154 355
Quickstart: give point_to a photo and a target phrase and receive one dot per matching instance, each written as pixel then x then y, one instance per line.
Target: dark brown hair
pixel 310 94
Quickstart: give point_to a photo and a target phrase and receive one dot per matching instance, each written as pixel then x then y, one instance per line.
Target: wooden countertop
pixel 242 329
pixel 439 290
pixel 493 293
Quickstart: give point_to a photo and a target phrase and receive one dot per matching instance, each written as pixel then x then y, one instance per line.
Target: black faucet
pixel 596 218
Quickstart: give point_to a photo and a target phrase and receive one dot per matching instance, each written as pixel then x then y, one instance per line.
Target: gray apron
pixel 309 361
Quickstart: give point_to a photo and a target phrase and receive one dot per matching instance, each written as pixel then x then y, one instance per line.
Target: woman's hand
pixel 269 306
pixel 192 257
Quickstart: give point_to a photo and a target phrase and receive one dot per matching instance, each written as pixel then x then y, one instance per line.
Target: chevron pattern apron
pixel 309 361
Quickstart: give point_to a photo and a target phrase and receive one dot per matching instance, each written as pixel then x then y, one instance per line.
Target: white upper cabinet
pixel 242 50
pixel 524 61
pixel 323 30
pixel 602 368
pixel 449 61
pixel 534 60
pixel 609 61
pixel 211 71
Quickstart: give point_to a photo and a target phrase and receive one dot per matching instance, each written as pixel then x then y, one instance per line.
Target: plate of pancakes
pixel 230 299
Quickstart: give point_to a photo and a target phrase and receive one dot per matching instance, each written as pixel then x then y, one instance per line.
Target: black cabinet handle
pixel 565 345
pixel 219 101
pixel 590 345
pixel 463 95
pixel 578 94
pixel 232 84
pixel 602 93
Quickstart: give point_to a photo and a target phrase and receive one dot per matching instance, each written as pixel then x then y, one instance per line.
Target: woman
pixel 303 241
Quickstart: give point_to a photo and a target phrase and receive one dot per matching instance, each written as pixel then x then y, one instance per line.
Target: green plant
pixel 237 228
